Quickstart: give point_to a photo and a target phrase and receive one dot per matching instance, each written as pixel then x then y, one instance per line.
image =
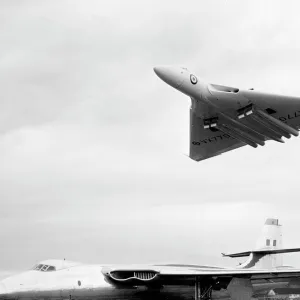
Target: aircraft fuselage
pixel 88 282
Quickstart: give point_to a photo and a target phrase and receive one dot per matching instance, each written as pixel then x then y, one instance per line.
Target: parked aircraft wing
pixel 174 275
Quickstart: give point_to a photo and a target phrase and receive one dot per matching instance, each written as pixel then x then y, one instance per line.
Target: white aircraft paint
pixel 61 279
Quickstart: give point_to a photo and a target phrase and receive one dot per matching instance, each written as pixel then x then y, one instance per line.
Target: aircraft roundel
pixel 194 79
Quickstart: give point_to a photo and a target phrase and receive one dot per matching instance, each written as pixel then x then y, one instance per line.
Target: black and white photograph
pixel 149 149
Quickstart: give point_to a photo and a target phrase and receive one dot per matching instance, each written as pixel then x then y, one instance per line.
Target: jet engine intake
pixel 144 275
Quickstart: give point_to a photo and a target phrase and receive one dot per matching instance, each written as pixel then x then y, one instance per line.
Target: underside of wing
pixel 206 143
pixel 241 118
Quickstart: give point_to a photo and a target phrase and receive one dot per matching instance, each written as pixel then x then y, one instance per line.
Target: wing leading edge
pixel 167 275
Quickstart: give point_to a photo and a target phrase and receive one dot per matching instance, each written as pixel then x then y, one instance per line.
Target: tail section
pixel 271 235
pixel 268 251
pixel 270 239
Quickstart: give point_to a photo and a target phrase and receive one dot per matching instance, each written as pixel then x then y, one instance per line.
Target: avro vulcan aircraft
pixel 61 279
pixel 223 118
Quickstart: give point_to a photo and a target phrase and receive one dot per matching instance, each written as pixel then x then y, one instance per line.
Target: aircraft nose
pixel 171 75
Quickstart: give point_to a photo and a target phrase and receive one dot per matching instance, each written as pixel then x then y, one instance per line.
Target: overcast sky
pixel 93 143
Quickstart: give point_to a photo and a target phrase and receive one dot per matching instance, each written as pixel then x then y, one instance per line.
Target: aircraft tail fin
pixel 271 235
pixel 267 253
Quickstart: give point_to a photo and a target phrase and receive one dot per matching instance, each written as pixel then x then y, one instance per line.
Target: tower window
pixel 274 242
pixel 268 242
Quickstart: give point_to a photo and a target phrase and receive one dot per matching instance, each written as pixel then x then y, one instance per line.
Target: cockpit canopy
pixel 54 265
pixel 44 268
